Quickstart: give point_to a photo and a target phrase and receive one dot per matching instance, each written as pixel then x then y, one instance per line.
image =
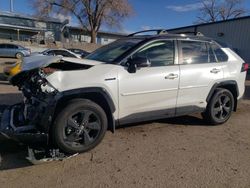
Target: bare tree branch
pixel 214 10
pixel 91 14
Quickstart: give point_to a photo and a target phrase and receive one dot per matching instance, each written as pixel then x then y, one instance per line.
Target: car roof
pixel 170 36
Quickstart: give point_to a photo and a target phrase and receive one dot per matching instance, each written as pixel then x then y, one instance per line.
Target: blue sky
pixel 148 13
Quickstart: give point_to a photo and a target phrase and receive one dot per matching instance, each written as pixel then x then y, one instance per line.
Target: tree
pixel 91 14
pixel 216 10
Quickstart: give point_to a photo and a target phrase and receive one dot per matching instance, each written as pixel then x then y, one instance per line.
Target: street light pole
pixel 11 6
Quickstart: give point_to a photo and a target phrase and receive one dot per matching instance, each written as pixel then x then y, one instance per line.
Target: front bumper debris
pixel 14 127
pixel 40 156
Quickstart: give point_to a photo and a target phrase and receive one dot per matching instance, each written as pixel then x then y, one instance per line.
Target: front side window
pixel 63 53
pixel 51 52
pixel 160 53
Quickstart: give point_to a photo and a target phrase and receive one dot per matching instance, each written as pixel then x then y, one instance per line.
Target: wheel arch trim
pixel 223 84
pixel 79 92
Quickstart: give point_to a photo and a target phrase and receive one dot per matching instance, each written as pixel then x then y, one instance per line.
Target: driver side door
pixel 150 92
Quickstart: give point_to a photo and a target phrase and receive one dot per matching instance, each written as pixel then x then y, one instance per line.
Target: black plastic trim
pixel 80 91
pixel 220 84
pixel 159 114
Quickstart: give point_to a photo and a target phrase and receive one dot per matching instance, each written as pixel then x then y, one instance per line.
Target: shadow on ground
pixel 247 92
pixel 12 154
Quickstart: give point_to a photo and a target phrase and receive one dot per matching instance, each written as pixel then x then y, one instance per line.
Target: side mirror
pixel 134 63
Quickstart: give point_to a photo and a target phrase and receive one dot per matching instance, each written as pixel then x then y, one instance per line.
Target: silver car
pixel 13 50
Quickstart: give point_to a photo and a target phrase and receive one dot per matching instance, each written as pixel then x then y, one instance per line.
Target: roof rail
pixel 191 32
pixel 158 32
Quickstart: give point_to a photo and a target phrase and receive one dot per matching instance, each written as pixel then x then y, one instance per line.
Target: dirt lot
pixel 177 152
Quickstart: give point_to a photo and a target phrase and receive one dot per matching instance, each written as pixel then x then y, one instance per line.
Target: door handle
pixel 171 76
pixel 215 71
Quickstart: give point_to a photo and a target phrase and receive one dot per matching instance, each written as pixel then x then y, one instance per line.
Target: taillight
pixel 245 67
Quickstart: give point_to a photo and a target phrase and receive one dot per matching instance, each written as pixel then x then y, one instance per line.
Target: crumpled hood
pixel 34 62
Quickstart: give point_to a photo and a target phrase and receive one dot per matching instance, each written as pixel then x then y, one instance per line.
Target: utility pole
pixel 11 6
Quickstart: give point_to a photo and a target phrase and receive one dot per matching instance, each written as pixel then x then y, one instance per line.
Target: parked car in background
pixel 57 52
pixel 80 52
pixel 12 70
pixel 14 50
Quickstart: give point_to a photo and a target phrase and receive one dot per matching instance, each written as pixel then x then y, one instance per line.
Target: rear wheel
pixel 19 55
pixel 80 126
pixel 220 107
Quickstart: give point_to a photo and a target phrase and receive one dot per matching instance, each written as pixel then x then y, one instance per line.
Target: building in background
pixel 27 28
pixel 234 32
pixel 19 27
pixel 76 34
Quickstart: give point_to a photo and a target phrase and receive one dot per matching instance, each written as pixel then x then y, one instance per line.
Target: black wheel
pixel 19 55
pixel 80 126
pixel 220 107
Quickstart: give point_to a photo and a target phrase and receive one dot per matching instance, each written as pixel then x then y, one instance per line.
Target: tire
pixel 19 55
pixel 79 127
pixel 220 107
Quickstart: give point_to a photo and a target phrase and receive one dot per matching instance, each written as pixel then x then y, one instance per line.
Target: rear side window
pixel 195 52
pixel 11 46
pixel 221 56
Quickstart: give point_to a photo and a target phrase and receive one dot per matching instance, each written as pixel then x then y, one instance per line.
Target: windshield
pixel 114 50
pixel 44 52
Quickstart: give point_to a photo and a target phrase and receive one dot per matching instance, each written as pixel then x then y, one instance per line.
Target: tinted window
pixel 221 56
pixel 212 58
pixel 63 53
pixel 11 46
pixel 49 52
pixel 2 45
pixel 113 50
pixel 159 53
pixel 194 52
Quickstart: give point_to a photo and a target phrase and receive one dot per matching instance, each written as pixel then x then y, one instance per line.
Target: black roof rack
pixel 191 32
pixel 158 32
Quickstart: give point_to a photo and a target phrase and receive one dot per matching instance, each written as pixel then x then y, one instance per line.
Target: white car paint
pixel 168 89
pixel 150 89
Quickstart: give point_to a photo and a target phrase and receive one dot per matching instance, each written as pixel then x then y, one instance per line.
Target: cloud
pixel 146 27
pixel 62 17
pixel 185 8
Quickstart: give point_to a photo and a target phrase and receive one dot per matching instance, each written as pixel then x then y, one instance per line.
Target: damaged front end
pixel 29 122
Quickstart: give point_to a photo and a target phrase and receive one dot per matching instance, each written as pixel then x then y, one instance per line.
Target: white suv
pixel 71 102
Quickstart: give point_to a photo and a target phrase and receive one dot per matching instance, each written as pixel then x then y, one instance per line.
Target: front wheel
pixel 19 55
pixel 220 107
pixel 80 126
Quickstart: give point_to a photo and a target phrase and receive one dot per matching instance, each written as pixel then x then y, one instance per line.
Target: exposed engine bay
pixel 29 122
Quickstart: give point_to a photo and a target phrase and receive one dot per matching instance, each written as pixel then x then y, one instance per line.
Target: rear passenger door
pixel 199 71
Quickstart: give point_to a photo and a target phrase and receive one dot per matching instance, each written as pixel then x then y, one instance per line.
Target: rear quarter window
pixel 220 54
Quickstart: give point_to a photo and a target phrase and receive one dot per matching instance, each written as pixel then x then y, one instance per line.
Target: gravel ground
pixel 177 152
